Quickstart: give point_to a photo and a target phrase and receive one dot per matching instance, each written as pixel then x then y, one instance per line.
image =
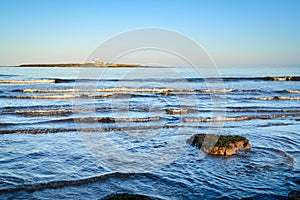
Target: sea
pixel 88 133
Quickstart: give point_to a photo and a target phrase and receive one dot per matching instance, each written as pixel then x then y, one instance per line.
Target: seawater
pixel 55 126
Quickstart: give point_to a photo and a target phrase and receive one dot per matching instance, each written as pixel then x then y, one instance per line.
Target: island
pixel 80 65
pixel 93 63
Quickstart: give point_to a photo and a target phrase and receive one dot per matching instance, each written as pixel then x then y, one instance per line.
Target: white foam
pixel 26 81
pixel 293 91
pixel 277 98
pixel 64 96
pixel 239 118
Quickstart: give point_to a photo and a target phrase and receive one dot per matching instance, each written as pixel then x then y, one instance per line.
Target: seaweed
pixel 225 141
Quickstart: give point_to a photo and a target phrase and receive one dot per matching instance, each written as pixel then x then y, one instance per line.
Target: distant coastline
pixel 80 65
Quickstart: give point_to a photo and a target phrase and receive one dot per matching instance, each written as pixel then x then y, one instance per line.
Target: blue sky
pixel 234 32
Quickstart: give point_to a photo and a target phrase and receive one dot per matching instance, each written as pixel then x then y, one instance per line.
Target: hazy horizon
pixel 234 33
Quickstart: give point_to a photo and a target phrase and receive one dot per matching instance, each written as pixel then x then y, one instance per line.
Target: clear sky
pixel 234 32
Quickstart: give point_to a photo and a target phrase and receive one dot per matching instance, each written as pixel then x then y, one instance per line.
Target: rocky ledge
pixel 225 145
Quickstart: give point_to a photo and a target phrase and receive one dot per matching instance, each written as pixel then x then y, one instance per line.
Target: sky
pixel 233 32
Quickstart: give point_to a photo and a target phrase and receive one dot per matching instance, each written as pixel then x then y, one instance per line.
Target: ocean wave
pixel 64 96
pixel 84 120
pixel 277 98
pixel 250 90
pixel 200 79
pixel 26 81
pixel 274 124
pixel 47 81
pixel 37 107
pixel 267 78
pixel 49 110
pixel 293 91
pixel 176 111
pixel 121 89
pixel 53 110
pixel 44 112
pixel 57 80
pixel 7 75
pixel 263 110
pixel 239 118
pixel 284 78
pixel 64 183
pixel 107 119
pixel 150 90
pixel 62 130
pixel 217 91
pixel 66 112
pixel 6 124
pixel 128 90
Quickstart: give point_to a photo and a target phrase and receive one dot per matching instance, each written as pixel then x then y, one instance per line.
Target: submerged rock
pixel 129 197
pixel 293 195
pixel 225 145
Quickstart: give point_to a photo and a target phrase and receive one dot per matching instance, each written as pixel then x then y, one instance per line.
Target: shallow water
pixel 65 135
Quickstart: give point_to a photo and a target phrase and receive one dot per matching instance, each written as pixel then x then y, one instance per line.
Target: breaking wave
pixel 264 110
pixel 267 78
pixel 108 119
pixel 284 78
pixel 60 130
pixel 47 81
pixel 26 81
pixel 293 91
pixel 148 90
pixel 277 98
pixel 44 112
pixel 239 118
pixel 61 111
pixel 124 89
pixel 64 96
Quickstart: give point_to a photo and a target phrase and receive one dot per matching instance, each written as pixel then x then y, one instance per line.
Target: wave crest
pixel 26 81
pixel 239 118
pixel 277 98
pixel 64 183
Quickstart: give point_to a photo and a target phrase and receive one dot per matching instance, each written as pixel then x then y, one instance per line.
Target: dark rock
pixel 224 145
pixel 293 195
